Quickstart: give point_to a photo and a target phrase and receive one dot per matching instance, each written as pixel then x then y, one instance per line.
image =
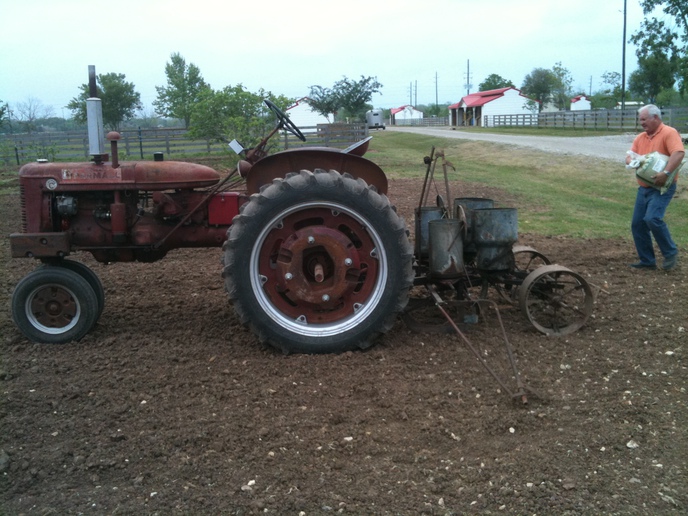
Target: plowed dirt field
pixel 170 406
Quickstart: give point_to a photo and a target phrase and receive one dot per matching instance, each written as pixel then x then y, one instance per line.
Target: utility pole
pixel 468 77
pixel 415 99
pixel 410 93
pixel 623 62
pixel 436 99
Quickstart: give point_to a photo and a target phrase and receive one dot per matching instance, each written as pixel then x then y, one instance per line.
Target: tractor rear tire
pixel 318 262
pixel 54 305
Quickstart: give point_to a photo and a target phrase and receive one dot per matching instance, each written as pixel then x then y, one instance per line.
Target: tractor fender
pixel 294 160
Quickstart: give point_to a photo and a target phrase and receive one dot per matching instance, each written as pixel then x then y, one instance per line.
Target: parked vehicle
pixel 374 119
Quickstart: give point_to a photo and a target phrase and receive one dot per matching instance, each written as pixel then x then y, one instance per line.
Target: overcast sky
pixel 420 49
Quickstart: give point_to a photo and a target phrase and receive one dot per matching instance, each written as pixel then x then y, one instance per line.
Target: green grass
pixel 555 194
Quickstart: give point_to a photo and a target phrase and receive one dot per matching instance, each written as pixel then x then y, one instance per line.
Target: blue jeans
pixel 648 222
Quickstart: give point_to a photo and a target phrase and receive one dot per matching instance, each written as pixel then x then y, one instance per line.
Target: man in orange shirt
pixel 651 204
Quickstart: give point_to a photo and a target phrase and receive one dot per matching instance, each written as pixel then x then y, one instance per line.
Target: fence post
pixel 140 142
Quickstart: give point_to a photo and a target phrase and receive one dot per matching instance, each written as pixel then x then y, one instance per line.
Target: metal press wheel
pixel 527 259
pixel 555 300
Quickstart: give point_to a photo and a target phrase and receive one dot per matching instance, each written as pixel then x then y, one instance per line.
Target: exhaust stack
pixel 94 117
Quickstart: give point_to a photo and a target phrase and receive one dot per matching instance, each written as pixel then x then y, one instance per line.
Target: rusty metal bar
pixel 509 351
pixel 428 161
pixel 520 394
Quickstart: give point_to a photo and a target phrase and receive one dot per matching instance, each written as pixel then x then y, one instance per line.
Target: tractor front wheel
pixel 318 262
pixel 54 305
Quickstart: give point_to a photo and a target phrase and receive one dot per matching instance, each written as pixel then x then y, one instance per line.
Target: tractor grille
pixel 22 204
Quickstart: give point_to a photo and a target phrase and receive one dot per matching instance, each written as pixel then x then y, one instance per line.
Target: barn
pixel 580 103
pixel 303 115
pixel 405 115
pixel 479 108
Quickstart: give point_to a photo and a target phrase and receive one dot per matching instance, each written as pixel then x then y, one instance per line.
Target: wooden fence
pixel 604 120
pixel 143 143
pixel 326 135
pixel 431 121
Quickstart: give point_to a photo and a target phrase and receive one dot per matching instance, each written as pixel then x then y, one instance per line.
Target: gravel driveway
pixel 611 147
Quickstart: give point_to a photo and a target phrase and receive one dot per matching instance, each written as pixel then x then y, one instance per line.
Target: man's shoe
pixel 670 263
pixel 641 265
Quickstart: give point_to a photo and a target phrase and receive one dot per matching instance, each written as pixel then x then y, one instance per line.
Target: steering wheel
pixel 284 120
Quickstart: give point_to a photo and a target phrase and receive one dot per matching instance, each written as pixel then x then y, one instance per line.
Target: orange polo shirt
pixel 666 140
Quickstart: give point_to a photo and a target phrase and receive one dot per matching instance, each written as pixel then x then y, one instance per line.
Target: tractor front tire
pixel 318 262
pixel 54 305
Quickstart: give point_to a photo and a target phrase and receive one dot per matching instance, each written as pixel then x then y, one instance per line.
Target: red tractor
pixel 315 258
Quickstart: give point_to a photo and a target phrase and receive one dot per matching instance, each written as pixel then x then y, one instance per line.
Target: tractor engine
pixel 120 211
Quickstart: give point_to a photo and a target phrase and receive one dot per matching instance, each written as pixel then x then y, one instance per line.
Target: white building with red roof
pixel 479 108
pixel 581 103
pixel 405 115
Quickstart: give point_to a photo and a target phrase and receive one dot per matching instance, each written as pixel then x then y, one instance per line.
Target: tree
pixel 4 113
pixel 354 96
pixel 656 37
pixel 233 112
pixel 495 82
pixel 323 101
pixel 613 82
pixel 654 74
pixel 561 90
pixel 183 90
pixel 29 112
pixel 610 93
pixel 147 118
pixel 347 95
pixel 539 85
pixel 671 97
pixel 119 100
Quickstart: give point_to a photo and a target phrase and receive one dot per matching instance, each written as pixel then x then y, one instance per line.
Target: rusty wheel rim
pixel 318 268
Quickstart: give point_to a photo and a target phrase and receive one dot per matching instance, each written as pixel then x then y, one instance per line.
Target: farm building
pixel 580 103
pixel 630 104
pixel 479 108
pixel 303 115
pixel 405 115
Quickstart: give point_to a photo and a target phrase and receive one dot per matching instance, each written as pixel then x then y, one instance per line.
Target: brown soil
pixel 170 406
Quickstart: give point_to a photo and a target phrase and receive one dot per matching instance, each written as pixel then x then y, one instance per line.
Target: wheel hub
pixel 317 265
pixel 53 307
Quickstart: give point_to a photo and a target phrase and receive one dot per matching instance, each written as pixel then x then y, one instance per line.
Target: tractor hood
pixel 140 175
